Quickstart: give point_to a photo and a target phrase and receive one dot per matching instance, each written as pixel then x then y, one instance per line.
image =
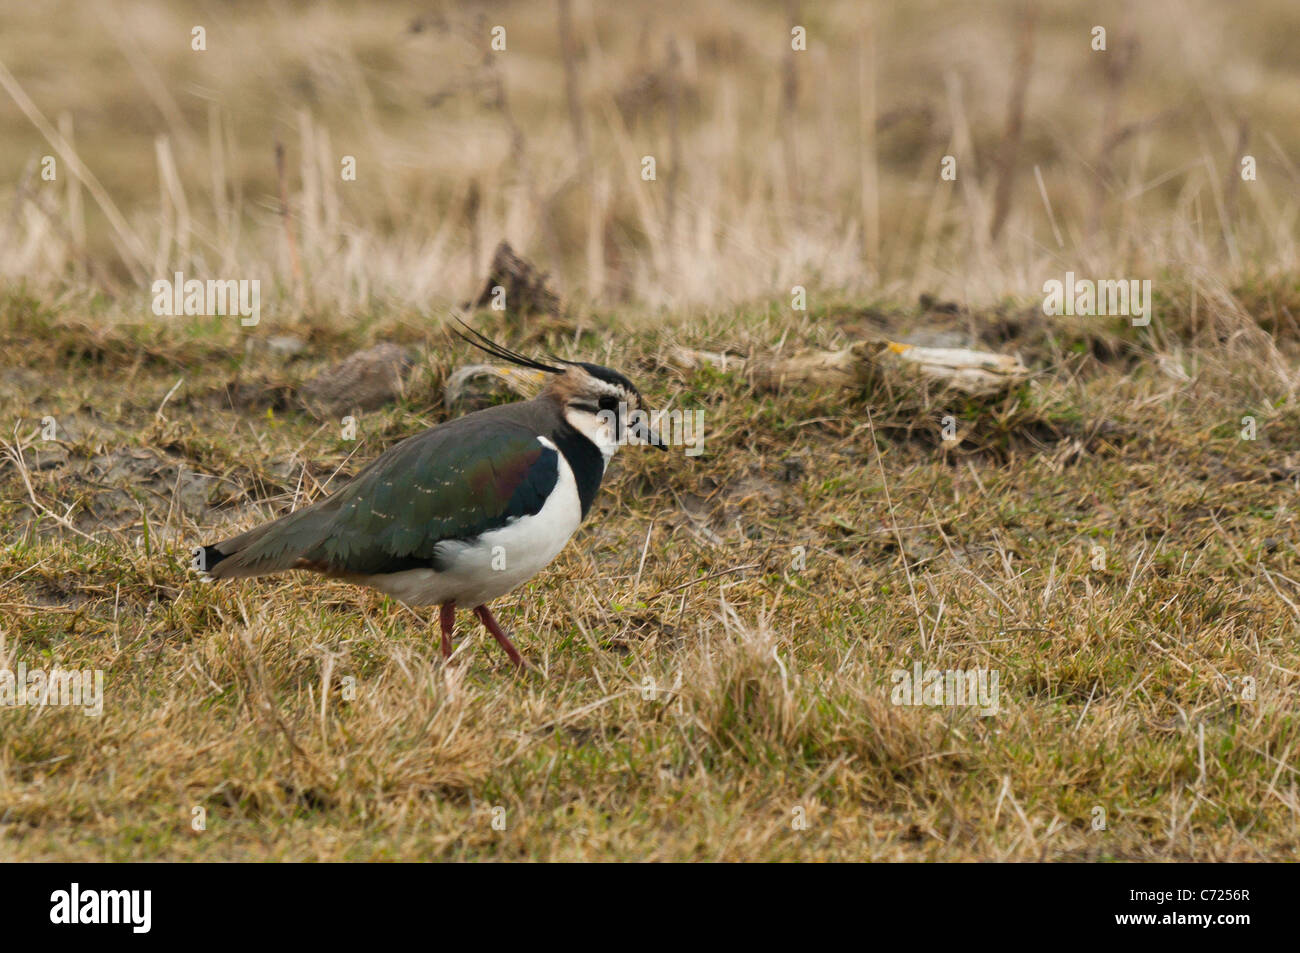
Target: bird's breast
pixel 476 570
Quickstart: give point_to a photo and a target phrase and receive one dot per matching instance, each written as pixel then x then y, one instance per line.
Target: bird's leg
pixel 489 623
pixel 447 615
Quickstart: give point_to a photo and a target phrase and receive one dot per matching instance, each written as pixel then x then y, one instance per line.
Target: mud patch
pixel 115 488
pixel 365 381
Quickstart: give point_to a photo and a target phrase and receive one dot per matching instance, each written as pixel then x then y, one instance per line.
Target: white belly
pixel 496 562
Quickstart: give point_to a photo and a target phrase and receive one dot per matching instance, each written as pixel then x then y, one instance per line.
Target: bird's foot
pixel 485 616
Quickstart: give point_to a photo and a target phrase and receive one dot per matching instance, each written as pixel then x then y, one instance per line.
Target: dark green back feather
pixel 456 481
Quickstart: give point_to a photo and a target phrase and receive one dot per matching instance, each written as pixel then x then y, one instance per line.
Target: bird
pixel 465 511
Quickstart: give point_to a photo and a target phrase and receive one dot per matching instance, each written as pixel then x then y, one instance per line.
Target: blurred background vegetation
pixel 774 167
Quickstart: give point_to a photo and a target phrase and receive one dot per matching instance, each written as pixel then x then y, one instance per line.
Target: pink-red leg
pixel 447 615
pixel 489 623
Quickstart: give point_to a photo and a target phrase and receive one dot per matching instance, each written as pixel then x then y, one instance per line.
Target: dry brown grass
pixel 700 686
pixel 762 182
pixel 690 703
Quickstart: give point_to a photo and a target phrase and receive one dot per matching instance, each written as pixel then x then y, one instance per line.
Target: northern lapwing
pixel 464 512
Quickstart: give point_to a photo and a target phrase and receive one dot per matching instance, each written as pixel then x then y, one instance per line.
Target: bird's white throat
pixel 596 429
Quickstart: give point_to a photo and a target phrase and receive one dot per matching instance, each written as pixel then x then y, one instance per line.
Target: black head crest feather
pixel 500 351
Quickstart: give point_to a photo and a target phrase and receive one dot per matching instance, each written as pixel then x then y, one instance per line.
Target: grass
pixel 700 685
pixel 718 648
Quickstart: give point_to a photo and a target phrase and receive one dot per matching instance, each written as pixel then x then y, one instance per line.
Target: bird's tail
pixel 272 547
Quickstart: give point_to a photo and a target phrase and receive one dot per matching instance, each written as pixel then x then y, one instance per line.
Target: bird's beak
pixel 648 435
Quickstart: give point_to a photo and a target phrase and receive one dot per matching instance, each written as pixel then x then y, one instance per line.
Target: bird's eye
pixel 608 403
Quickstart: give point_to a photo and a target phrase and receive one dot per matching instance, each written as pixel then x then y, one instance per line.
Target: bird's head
pixel 598 402
pixel 604 406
